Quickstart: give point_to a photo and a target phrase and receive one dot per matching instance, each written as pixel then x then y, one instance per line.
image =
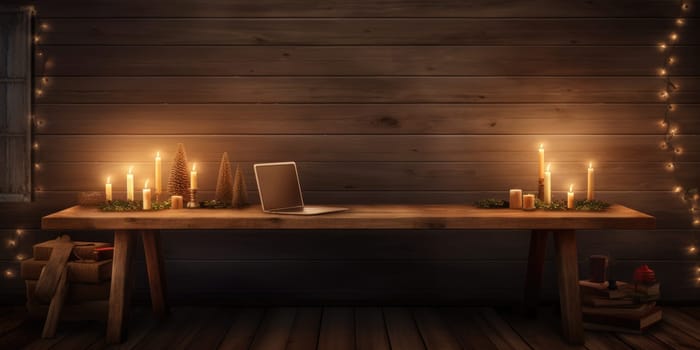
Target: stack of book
pixel 89 275
pixel 629 308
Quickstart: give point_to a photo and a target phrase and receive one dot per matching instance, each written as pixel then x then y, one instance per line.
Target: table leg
pixel 569 295
pixel 156 272
pixel 535 267
pixel 120 292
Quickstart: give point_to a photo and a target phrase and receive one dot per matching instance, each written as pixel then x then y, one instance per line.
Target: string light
pixel 692 249
pixel 9 273
pixel 20 257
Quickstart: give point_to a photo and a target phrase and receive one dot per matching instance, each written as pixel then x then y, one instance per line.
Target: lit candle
pixel 541 155
pixel 130 185
pixel 146 196
pixel 108 189
pixel 529 202
pixel 159 171
pixel 548 185
pixel 516 199
pixel 591 178
pixel 193 177
pixel 176 202
pixel 570 197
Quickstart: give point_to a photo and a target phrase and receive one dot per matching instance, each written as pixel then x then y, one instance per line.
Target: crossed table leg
pixel 567 269
pixel 122 281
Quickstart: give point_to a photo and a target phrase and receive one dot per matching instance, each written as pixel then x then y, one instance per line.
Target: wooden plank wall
pixel 378 101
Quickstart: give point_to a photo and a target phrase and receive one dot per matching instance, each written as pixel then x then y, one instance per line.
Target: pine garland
pixel 554 205
pixel 592 205
pixel 491 203
pixel 120 205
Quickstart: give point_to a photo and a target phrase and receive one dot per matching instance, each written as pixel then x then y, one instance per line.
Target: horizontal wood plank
pixel 363 148
pixel 364 60
pixel 354 8
pixel 362 89
pixel 365 31
pixel 391 176
pixel 324 119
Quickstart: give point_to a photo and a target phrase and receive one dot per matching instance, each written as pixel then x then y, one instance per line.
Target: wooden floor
pixel 341 328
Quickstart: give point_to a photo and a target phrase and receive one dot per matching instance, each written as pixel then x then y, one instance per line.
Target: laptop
pixel 280 192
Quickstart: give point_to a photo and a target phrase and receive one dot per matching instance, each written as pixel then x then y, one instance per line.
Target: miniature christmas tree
pixel 224 185
pixel 179 180
pixel 240 194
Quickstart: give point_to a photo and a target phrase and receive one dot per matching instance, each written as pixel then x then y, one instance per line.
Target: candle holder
pixel 193 199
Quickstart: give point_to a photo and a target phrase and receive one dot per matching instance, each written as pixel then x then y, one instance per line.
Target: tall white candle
pixel 570 197
pixel 130 185
pixel 108 189
pixel 159 172
pixel 146 196
pixel 193 177
pixel 541 156
pixel 590 195
pixel 548 185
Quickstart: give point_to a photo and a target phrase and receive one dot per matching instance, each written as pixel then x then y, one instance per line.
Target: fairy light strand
pixel 689 196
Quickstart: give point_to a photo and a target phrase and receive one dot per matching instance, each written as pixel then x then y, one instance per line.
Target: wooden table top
pixel 374 216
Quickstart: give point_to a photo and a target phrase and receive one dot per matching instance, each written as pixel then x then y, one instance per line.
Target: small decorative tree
pixel 179 180
pixel 240 193
pixel 224 185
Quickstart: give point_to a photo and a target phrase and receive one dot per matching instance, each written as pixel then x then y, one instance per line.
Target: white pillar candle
pixel 130 185
pixel 516 199
pixel 108 189
pixel 541 164
pixel 590 195
pixel 570 198
pixel 193 177
pixel 158 177
pixel 146 196
pixel 529 201
pixel 548 185
pixel 176 202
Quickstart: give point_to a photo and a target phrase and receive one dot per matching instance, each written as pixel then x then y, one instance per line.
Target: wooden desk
pixel 127 226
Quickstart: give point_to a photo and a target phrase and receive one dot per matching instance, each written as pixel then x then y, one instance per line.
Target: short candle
pixel 516 199
pixel 570 198
pixel 108 189
pixel 176 202
pixel 146 196
pixel 529 201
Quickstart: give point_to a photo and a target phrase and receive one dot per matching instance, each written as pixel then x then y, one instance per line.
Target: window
pixel 15 104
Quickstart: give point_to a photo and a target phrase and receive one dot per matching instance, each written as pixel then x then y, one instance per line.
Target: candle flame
pixel 541 146
pixel 590 165
pixel 131 168
pixel 157 154
pixel 571 188
pixel 145 185
pixel 548 166
pixel 194 167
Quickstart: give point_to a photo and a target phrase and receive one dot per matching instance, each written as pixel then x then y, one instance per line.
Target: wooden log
pixel 569 295
pixel 56 306
pixel 120 293
pixel 155 266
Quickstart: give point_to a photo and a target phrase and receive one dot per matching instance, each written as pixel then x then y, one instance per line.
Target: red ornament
pixel 644 274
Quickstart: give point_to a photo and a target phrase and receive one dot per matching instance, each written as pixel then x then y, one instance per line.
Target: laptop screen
pixel 278 185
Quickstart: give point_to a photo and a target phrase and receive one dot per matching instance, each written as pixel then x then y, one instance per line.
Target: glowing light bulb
pixel 670 166
pixel 671 60
pixel 20 257
pixel 663 124
pixel 662 72
pixel 692 249
pixel 678 150
pixel 662 46
pixel 44 26
pixel 36 39
pixel 39 92
pixel 11 243
pixel 680 22
pixel 673 36
pixel 685 6
pixel 671 107
pixel 663 94
pixel 37 166
pixel 673 131
pixel 663 145
pixel 9 273
pixel 678 189
pixel 696 222
pixel 35 146
pixel 19 232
